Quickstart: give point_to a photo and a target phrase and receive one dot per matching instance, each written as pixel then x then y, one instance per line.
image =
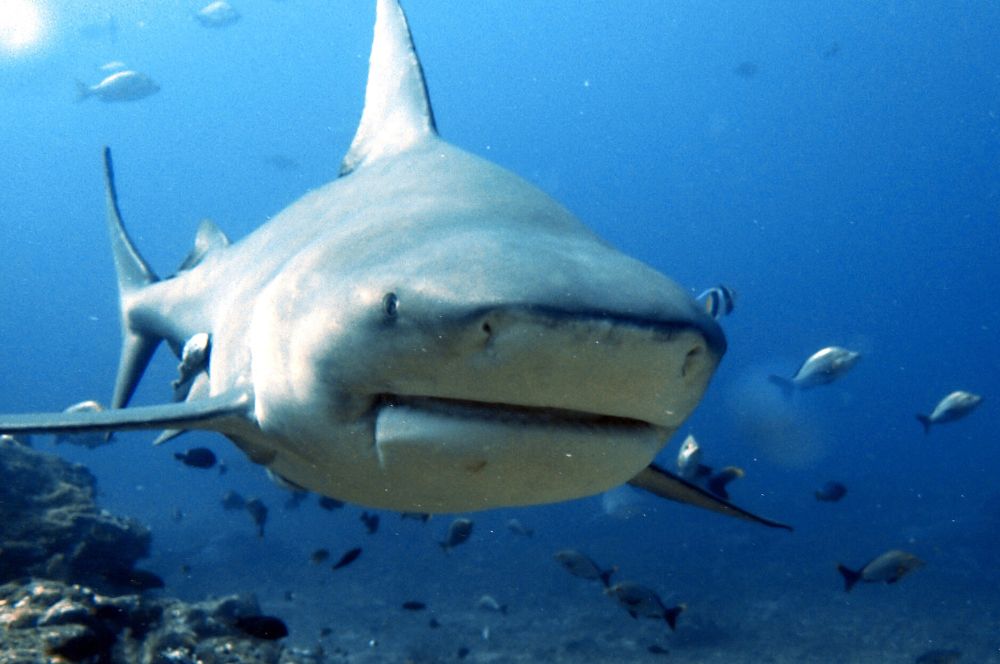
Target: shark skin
pixel 428 332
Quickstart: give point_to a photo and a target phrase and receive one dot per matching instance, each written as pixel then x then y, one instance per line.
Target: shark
pixel 427 332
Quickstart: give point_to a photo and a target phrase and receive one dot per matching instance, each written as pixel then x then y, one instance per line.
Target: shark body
pixel 428 332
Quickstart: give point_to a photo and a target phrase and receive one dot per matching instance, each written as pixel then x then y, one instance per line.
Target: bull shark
pixel 426 333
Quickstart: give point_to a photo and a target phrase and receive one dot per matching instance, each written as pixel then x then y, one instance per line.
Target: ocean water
pixel 837 165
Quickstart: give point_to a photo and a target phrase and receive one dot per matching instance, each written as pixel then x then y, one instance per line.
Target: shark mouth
pixel 513 451
pixel 503 414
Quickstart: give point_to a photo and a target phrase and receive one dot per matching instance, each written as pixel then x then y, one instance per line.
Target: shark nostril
pixel 487 328
pixel 692 360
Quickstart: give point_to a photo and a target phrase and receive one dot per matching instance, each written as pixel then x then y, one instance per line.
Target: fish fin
pixel 850 577
pixel 397 113
pixel 786 384
pixel 212 414
pixel 82 91
pixel 207 239
pixel 606 576
pixel 926 421
pixel 665 484
pixel 717 483
pixel 671 614
pixel 134 274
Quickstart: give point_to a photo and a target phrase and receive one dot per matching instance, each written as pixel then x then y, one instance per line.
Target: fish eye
pixel 390 304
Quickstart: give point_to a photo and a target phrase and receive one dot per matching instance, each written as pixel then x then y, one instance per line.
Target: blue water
pixel 847 186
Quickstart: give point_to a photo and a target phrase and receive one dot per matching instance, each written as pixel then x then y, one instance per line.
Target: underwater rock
pixel 51 527
pixel 45 621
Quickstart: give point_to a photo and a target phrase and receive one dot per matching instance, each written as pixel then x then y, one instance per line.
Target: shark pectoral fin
pixel 665 484
pixel 217 413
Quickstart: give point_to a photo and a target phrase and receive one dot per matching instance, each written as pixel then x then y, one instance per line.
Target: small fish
pixel 370 521
pixel 258 512
pixel 281 162
pixel 641 601
pixel 689 458
pixel 325 632
pixel 289 596
pixel 422 517
pixel 177 515
pixel 939 657
pixel 822 368
pixel 580 565
pixel 515 526
pixel 413 605
pixel 890 567
pixel 831 51
pixel 197 457
pixel 233 501
pixel 348 558
pixel 330 504
pixel 462 653
pixel 489 603
pixel 125 85
pixel 458 533
pixel 746 69
pixel 433 623
pixel 218 14
pixel 719 301
pixel 267 628
pixel 831 492
pixel 185 569
pixel 133 578
pixel 320 556
pixel 657 650
pixel 295 500
pixel 87 439
pixel 953 407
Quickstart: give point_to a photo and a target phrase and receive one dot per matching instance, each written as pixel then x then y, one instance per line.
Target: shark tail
pixel 850 577
pixel 134 274
pixel 926 421
pixel 786 385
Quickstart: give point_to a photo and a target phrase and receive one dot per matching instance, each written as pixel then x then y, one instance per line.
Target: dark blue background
pixel 849 197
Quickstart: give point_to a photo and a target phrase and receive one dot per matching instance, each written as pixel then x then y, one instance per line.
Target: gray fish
pixel 125 85
pixel 258 512
pixel 889 567
pixel 582 566
pixel 938 656
pixel 953 407
pixel 823 367
pixel 688 458
pixel 458 533
pixel 641 601
pixel 831 492
pixel 515 526
pixel 86 439
pixel 218 14
pixel 489 603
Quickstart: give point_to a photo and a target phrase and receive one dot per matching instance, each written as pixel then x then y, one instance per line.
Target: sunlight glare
pixel 21 24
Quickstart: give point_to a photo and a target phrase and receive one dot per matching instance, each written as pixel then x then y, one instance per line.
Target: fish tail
pixel 786 385
pixel 850 577
pixel 606 576
pixel 82 91
pixel 670 615
pixel 926 421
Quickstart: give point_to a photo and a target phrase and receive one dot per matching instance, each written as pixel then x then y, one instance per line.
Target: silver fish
pixel 889 567
pixel 217 14
pixel 823 367
pixel 688 458
pixel 458 533
pixel 125 85
pixel 953 407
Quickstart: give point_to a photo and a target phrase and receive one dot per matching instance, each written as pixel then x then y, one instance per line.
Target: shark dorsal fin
pixel 397 112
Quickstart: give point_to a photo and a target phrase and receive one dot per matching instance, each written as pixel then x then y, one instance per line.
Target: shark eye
pixel 390 304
